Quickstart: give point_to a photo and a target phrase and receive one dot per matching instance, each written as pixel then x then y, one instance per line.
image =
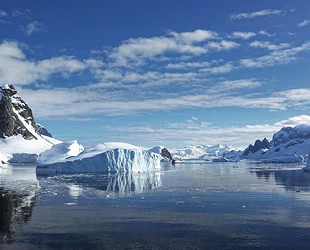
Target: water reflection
pixel 291 180
pixel 19 190
pixel 107 184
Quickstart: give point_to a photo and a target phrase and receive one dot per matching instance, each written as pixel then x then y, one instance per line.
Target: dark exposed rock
pixel 288 133
pixel 43 131
pixel 13 112
pixel 264 144
pixel 166 154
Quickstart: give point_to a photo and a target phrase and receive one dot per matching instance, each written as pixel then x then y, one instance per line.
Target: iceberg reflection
pixel 104 184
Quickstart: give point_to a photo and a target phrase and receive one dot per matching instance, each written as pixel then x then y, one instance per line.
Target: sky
pixel 170 73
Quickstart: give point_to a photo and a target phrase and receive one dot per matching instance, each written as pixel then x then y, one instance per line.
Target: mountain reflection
pixel 292 180
pixel 19 190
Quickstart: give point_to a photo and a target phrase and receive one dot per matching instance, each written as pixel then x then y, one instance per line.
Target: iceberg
pixel 105 157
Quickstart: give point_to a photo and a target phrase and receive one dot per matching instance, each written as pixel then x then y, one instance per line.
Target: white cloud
pixel 260 13
pixel 184 65
pixel 265 33
pixel 16 69
pixel 242 35
pixel 303 23
pixel 33 27
pixel 195 132
pixel 222 69
pixel 268 45
pixel 194 37
pixel 82 101
pixel 276 57
pixel 3 13
pixel 222 45
pixel 139 49
pixel 243 84
pixel 294 121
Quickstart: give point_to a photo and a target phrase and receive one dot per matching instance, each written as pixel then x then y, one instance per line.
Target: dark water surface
pixel 187 206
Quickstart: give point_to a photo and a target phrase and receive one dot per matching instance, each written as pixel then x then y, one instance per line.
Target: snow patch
pixel 60 152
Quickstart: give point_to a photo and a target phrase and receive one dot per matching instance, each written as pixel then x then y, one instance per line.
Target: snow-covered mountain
pixel 290 144
pixel 21 139
pixel 206 152
pixel 164 152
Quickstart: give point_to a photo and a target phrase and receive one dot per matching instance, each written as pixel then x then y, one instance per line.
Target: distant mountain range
pixel 289 145
pixel 203 152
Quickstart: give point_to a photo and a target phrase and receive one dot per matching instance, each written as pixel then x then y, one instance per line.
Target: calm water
pixel 187 206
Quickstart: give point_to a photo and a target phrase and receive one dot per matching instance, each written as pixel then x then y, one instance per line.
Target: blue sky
pixel 167 73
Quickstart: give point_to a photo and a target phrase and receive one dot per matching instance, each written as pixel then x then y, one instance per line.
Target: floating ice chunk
pixel 105 157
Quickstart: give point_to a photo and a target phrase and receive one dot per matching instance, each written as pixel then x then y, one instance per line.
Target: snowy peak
pixel 288 133
pixel 258 145
pixel 289 144
pixel 16 117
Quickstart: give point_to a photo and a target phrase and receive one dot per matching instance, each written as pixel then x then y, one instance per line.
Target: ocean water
pixel 197 205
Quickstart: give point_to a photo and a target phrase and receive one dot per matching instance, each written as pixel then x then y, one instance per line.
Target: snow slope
pixel 288 145
pixel 60 152
pixel 17 149
pixel 105 157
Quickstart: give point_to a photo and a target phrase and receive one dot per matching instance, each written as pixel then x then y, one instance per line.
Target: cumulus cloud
pixel 303 23
pixel 242 35
pixel 294 121
pixel 16 69
pixel 222 45
pixel 268 45
pixel 261 13
pixel 265 33
pixel 139 49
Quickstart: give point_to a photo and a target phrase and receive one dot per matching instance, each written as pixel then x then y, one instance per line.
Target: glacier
pixel 109 157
